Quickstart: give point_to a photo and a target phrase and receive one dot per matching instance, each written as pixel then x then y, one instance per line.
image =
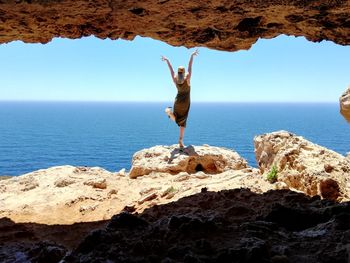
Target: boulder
pixel 344 102
pixel 192 159
pixel 303 165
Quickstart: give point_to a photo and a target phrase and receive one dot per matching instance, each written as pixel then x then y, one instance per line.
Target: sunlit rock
pixel 303 165
pixel 68 194
pixel 344 102
pixel 192 159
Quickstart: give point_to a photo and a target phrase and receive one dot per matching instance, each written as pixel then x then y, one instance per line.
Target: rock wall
pixel 217 24
pixel 303 165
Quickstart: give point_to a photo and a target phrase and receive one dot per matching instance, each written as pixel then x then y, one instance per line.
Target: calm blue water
pixel 36 135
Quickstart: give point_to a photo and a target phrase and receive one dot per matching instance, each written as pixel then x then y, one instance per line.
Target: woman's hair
pixel 180 78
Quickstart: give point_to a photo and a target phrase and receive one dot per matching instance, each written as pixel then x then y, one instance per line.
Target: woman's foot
pixel 170 113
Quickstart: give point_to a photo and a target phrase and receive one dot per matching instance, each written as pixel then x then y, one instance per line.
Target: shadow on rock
pixel 189 151
pixel 227 226
pixel 31 242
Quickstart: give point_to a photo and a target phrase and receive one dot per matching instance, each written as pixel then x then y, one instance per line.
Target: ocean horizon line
pixel 169 102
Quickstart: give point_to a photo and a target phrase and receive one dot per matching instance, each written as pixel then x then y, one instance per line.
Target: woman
pixel 182 100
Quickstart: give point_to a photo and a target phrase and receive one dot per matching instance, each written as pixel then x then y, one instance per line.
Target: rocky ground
pixel 204 203
pixel 68 194
pixel 226 226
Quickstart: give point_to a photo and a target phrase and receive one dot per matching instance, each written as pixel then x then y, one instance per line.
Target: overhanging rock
pixel 219 24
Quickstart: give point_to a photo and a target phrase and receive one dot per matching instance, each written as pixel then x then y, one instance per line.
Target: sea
pixel 39 135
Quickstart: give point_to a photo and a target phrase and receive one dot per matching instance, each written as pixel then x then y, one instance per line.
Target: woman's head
pixel 180 75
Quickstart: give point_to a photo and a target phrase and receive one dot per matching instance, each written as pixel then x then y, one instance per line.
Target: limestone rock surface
pixel 57 195
pixel 344 102
pixel 303 165
pixel 68 194
pixel 64 203
pixel 192 159
pixel 186 215
pixel 227 226
pixel 217 24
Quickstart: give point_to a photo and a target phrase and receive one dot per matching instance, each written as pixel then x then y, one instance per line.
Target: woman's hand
pixel 195 53
pixel 164 58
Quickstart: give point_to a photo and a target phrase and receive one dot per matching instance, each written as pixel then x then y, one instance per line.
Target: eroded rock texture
pixel 303 165
pixel 68 194
pixel 344 102
pixel 169 159
pixel 225 215
pixel 226 226
pixel 218 24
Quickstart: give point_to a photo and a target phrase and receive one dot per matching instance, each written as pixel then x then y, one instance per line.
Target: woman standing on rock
pixel 182 100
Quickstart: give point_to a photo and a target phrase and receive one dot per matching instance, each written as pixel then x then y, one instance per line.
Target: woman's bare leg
pixel 182 132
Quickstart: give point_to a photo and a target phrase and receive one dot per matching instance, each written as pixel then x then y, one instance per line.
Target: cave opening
pixel 123 72
pixel 199 168
pixel 94 102
pixel 249 89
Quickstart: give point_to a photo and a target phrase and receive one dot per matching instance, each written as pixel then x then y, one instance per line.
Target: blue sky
pixel 283 69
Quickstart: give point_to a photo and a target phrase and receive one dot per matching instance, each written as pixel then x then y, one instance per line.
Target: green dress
pixel 182 103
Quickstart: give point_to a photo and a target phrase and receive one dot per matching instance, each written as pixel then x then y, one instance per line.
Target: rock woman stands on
pixel 182 100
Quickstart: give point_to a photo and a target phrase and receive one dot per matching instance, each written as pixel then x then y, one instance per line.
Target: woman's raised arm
pixel 195 53
pixel 170 68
